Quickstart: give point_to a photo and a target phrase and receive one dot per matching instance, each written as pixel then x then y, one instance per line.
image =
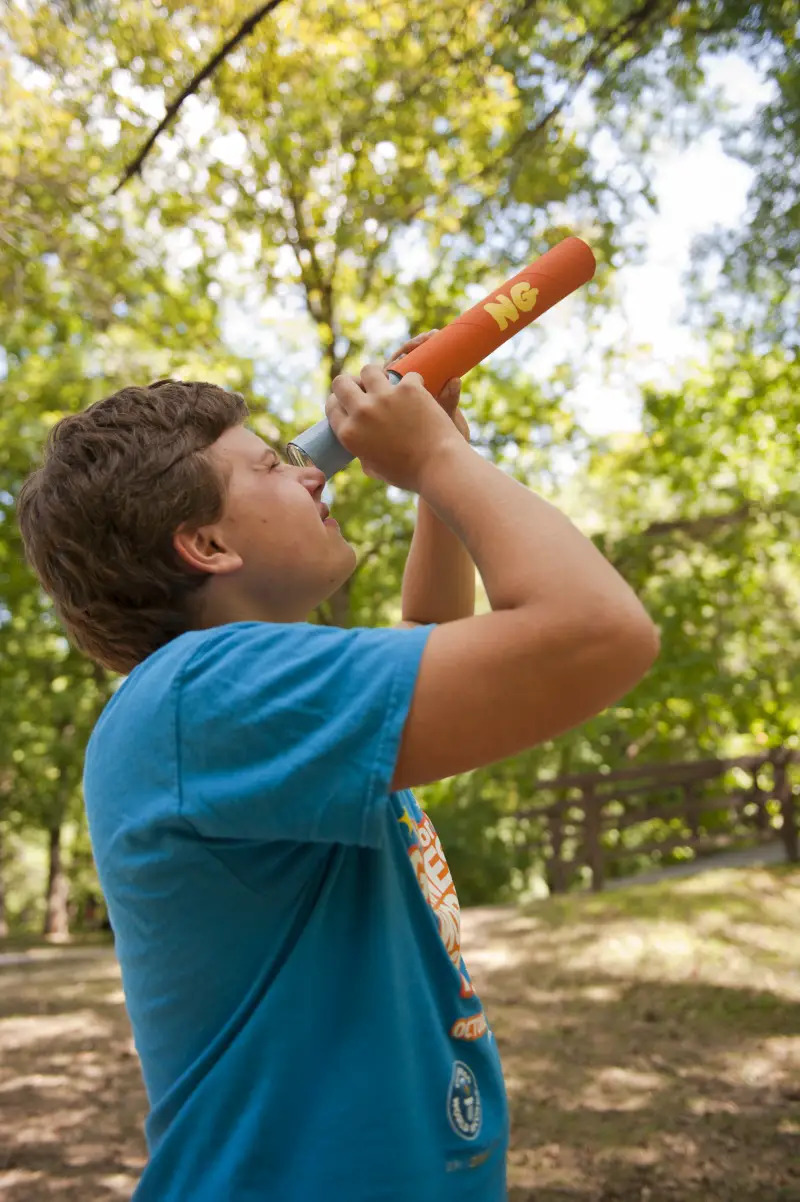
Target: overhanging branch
pixel 598 56
pixel 247 27
pixel 701 526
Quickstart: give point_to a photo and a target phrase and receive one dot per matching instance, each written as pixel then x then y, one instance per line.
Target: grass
pixel 650 1039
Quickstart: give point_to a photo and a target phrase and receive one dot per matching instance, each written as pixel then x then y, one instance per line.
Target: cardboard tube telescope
pixel 465 342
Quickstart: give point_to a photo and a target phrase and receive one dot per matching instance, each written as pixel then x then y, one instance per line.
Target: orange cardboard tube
pixel 463 343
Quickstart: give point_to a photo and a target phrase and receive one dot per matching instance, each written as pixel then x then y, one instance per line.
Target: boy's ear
pixel 204 550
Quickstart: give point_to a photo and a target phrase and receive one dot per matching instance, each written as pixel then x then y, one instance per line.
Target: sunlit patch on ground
pixel 71 1099
pixel 650 1037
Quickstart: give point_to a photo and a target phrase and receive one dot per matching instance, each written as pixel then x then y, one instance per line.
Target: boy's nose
pixel 314 480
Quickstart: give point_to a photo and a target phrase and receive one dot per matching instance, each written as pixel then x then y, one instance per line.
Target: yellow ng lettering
pixel 524 296
pixel 503 310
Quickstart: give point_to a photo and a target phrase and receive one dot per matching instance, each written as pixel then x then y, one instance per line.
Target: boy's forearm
pixel 439 578
pixel 529 555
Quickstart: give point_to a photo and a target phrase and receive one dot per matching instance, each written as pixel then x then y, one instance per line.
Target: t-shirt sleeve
pixel 292 731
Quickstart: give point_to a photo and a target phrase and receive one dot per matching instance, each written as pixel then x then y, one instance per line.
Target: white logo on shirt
pixel 464 1110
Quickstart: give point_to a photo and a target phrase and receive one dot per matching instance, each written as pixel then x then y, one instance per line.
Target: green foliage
pixel 760 263
pixel 712 542
pixel 350 174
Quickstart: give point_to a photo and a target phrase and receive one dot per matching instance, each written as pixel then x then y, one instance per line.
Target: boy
pixel 284 918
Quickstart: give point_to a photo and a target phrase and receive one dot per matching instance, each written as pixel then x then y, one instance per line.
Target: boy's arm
pixel 559 645
pixel 439 577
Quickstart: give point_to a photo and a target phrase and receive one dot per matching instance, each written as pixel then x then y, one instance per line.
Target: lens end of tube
pixel 297 456
pixel 319 447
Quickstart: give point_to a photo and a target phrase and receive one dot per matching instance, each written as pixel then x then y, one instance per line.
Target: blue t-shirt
pixel 288 929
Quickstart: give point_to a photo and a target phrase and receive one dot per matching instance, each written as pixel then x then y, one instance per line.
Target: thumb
pixel 450 395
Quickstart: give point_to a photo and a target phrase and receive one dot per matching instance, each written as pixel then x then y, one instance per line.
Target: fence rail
pixel 599 819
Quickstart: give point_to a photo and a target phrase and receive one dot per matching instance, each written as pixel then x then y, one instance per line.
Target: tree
pixel 80 307
pixel 716 549
pixel 700 513
pixel 759 282
pixel 345 176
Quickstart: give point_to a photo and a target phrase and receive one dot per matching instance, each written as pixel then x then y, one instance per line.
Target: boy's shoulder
pixel 209 644
pixel 238 663
pixel 236 650
pixel 152 683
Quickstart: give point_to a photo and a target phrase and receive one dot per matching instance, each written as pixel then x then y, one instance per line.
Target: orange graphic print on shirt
pixel 435 881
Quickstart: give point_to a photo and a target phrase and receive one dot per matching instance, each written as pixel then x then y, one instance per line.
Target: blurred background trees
pixel 353 173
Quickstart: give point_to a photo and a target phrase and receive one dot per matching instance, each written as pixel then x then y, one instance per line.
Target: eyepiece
pixel 298 456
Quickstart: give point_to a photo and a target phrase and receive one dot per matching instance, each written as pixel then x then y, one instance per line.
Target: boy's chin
pixel 349 558
pixel 349 562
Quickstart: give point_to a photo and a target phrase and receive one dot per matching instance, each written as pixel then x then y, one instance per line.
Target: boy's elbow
pixel 648 642
pixel 637 640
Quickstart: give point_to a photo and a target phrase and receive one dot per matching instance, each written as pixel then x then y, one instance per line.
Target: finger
pixel 335 411
pixel 346 389
pixel 373 377
pixel 409 346
pixel 412 377
pixel 450 395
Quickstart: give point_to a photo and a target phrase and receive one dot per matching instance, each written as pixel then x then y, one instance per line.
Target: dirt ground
pixel 650 1037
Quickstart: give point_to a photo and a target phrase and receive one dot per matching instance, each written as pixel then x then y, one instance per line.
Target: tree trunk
pixel 56 921
pixel 785 795
pixel 3 922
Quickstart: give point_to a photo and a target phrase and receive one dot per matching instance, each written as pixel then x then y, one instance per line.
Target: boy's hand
pixel 450 395
pixel 396 430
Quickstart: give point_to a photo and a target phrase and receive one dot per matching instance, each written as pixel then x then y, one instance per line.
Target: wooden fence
pixel 598 821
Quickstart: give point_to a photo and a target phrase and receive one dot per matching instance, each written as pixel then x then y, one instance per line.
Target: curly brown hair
pixel 98 517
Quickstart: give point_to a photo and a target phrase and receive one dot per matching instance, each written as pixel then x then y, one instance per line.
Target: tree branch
pixel 701 526
pixel 697 528
pixel 596 57
pixel 247 27
pixel 314 278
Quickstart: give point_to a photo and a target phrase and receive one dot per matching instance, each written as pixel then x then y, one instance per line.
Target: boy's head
pixel 157 511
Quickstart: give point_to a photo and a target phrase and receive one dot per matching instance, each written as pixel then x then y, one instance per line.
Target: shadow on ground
pixel 650 1039
pixel 71 1097
pixel 651 1042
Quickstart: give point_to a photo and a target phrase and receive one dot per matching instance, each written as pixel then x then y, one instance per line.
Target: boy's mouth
pixel 325 517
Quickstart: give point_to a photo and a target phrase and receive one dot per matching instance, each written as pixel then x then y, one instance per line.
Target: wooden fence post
pixel 556 876
pixel 593 850
pixel 761 820
pixel 691 808
pixel 784 794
